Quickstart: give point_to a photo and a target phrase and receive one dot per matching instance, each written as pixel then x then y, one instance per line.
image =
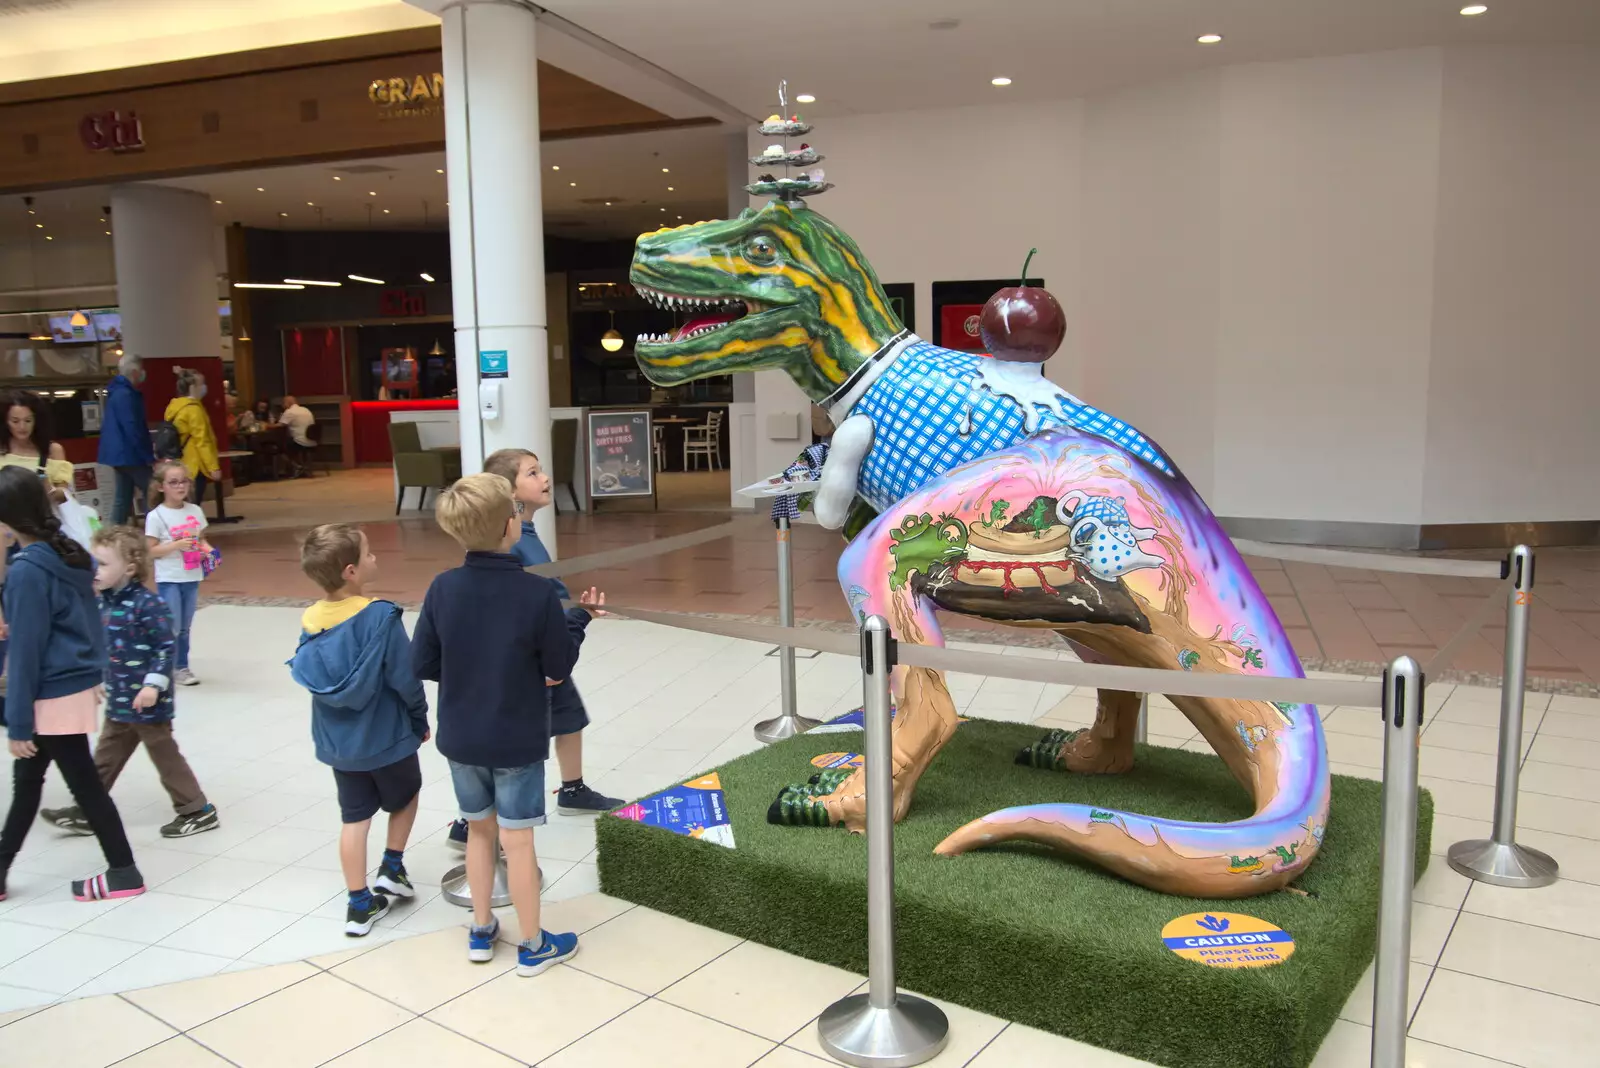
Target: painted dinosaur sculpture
pixel 980 490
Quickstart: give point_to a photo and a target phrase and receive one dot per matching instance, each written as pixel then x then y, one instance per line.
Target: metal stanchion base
pixel 778 728
pixel 455 890
pixel 1488 861
pixel 909 1032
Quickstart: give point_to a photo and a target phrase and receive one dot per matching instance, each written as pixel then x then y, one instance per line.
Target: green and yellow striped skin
pixel 817 310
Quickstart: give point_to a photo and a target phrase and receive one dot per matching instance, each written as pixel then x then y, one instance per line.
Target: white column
pixel 163 240
pixel 491 103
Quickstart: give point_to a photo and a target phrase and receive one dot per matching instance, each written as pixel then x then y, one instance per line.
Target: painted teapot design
pixel 1104 540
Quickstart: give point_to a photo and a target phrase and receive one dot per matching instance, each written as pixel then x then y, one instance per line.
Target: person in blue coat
pixel 125 436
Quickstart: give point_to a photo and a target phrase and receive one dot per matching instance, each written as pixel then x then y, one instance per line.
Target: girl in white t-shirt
pixel 175 530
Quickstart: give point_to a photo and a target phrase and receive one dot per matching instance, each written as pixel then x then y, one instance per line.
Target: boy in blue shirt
pixel 530 487
pixel 368 712
pixel 492 634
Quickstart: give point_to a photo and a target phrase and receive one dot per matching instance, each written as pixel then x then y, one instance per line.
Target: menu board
pixel 619 455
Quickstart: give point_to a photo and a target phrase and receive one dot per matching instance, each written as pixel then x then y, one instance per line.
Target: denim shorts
pixel 515 795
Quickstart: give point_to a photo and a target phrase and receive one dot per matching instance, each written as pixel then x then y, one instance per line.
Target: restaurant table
pixel 222 498
pixel 676 421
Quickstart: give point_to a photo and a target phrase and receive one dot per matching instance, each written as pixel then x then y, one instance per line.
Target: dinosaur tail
pixel 1226 860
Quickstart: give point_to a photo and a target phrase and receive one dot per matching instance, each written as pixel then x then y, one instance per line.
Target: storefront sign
pixel 402 303
pixel 407 97
pixel 111 130
pixel 619 455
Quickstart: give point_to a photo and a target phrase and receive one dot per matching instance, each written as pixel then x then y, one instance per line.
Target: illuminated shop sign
pixel 407 97
pixel 111 130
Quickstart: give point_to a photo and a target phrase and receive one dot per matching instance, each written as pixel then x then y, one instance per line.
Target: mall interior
pixel 1328 259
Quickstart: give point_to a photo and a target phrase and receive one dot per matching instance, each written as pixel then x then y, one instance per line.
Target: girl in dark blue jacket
pixel 57 660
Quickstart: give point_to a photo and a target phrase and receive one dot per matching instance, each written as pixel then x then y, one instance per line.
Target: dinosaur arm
pixel 837 489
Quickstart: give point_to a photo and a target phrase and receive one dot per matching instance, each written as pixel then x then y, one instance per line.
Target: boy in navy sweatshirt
pixel 492 634
pixel 368 712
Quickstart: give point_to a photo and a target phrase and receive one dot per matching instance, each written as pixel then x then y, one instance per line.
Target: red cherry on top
pixel 1023 323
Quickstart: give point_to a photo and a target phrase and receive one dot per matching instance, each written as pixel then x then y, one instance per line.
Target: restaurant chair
pixel 658 446
pixel 704 440
pixel 305 456
pixel 417 467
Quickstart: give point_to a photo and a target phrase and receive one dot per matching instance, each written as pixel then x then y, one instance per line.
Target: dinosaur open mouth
pixel 702 314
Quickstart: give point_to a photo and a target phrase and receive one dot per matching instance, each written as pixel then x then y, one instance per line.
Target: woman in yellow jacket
pixel 188 415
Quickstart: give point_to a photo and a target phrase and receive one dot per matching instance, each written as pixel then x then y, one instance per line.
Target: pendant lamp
pixel 611 341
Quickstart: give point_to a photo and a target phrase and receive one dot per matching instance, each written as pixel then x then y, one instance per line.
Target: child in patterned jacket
pixel 139 643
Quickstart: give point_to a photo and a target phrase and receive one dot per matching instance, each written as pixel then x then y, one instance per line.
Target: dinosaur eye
pixel 761 250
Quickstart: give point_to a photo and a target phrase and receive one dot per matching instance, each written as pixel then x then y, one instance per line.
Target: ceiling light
pixel 283 215
pixel 32 212
pixel 1209 38
pixel 438 170
pixel 999 81
pixel 426 277
pixel 38 226
pixel 268 285
pixel 666 170
pixel 1474 9
pixel 337 178
pixel 309 204
pixel 611 340
pixel 215 202
pixel 108 233
pixel 555 166
pixel 386 211
pixel 680 216
pixel 805 98
pixel 308 282
pixel 663 209
pixel 669 188
pixel 47 237
pixel 608 203
pixel 364 278
pixel 573 184
pixel 260 189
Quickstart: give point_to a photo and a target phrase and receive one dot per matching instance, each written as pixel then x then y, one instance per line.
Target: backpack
pixel 166 442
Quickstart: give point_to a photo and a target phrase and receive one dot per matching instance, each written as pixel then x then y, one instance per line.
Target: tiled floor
pixel 1338 618
pixel 209 968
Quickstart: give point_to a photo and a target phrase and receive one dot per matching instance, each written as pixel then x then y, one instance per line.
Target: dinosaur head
pixel 777 288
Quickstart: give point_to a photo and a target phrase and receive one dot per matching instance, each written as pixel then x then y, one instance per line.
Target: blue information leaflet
pixel 696 809
pixel 850 721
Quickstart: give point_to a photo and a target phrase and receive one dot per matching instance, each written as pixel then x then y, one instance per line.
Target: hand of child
pixel 552 682
pixel 594 601
pixel 23 750
pixel 427 734
pixel 146 697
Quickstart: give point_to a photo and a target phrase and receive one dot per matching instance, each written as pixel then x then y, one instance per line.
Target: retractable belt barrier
pixel 1405 565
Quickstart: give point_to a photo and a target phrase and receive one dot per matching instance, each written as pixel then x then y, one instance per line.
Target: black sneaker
pixel 458 835
pixel 581 800
pixel 69 819
pixel 358 922
pixel 393 882
pixel 193 823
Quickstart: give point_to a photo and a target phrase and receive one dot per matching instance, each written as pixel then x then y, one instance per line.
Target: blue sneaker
pixel 553 949
pixel 481 940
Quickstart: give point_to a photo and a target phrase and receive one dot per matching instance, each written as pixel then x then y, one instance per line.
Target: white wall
pixel 1329 171
pixel 1311 281
pixel 1513 431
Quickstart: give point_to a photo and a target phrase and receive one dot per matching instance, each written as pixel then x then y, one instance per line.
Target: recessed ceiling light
pixel 1475 9
pixel 1209 38
pixel 663 209
pixel 260 189
pixel 32 212
pixel 386 211
pixel 666 170
pixel 680 216
pixel 438 170
pixel 608 203
pixel 364 278
pixel 669 188
pixel 805 98
pixel 216 202
pixel 999 81
pixel 309 204
pixel 283 215
pixel 555 166
pixel 108 233
pixel 337 178
pixel 573 184
pixel 38 226
pixel 308 282
pixel 426 277
pixel 47 237
pixel 372 192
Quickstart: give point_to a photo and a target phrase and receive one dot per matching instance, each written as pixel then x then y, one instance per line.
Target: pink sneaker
pixel 117 882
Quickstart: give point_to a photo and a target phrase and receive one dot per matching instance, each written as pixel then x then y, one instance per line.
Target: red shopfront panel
pixel 313 362
pixel 369 421
pixel 958 327
pixel 161 386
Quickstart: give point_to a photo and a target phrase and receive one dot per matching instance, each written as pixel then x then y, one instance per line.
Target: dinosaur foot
pixel 924 721
pixel 1080 751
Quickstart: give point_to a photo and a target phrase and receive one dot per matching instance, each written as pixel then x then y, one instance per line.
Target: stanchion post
pixel 1141 732
pixel 1500 860
pixel 788 722
pixel 882 1028
pixel 1402 720
pixel 454 889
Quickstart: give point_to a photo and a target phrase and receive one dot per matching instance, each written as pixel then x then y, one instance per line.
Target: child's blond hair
pixel 474 512
pixel 507 463
pixel 130 545
pixel 327 551
pixel 157 493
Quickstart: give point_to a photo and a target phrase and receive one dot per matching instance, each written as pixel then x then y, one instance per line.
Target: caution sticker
pixel 1227 940
pixel 838 760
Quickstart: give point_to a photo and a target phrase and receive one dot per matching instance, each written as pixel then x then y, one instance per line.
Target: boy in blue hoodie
pixel 368 712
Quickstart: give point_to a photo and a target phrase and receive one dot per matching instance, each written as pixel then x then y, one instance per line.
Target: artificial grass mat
pixel 1020 932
